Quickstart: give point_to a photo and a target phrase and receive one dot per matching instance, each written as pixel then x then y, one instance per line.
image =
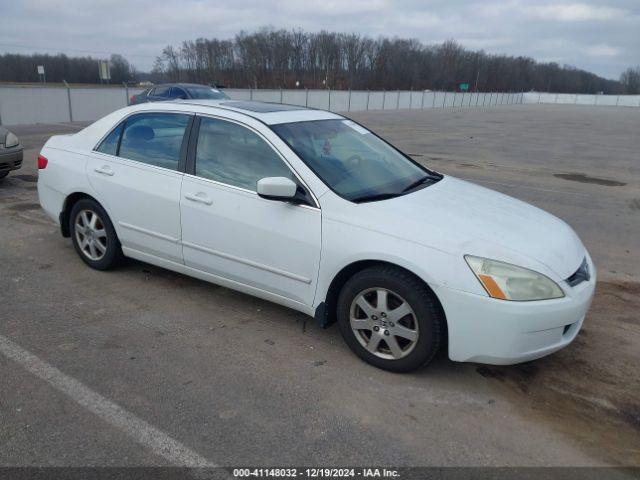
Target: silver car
pixel 10 152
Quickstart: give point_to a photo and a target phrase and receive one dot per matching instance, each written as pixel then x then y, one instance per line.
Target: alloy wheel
pixel 91 234
pixel 384 323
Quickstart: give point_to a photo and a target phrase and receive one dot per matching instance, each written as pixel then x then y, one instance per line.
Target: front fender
pixel 344 244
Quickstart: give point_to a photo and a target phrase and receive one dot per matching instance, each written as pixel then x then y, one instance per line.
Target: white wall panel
pixel 319 99
pixel 359 100
pixel 28 105
pixel 89 104
pixel 376 100
pixel 339 101
pixel 238 93
pixel 404 99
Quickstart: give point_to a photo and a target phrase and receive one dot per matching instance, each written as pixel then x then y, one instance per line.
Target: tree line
pixel 23 68
pixel 271 58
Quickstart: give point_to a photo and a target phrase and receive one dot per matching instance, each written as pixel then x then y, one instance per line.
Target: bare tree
pixel 630 79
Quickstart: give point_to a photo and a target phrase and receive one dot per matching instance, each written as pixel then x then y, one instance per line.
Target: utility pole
pixel 475 89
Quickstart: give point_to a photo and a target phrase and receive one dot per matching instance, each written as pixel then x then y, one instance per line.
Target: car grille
pixel 10 165
pixel 580 275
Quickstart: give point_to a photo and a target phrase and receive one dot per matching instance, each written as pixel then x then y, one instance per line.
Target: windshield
pixel 352 161
pixel 202 93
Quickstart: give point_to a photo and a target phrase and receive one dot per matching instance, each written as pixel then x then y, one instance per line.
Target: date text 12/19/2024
pixel 315 473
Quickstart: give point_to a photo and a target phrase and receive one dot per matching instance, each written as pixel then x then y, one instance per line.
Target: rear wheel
pixel 390 319
pixel 93 235
pixel 4 174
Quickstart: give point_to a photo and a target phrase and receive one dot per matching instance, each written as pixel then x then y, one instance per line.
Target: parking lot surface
pixel 142 366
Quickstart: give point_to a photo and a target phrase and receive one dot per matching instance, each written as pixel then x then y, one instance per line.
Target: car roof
pixel 90 135
pixel 266 112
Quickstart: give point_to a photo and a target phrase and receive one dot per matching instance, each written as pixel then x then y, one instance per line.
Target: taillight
pixel 42 162
pixel 132 99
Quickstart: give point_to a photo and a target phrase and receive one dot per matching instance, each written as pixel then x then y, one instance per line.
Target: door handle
pixel 199 197
pixel 104 170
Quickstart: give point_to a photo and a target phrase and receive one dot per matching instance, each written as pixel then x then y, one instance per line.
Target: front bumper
pixel 10 159
pixel 485 330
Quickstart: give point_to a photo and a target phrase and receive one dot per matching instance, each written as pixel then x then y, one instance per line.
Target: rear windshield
pixel 202 93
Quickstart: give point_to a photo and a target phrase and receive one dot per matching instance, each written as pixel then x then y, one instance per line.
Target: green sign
pixel 464 87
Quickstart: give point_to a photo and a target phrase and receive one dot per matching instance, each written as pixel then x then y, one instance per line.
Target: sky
pixel 599 36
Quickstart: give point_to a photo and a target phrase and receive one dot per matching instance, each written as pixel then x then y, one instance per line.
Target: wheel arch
pixel 325 313
pixel 68 204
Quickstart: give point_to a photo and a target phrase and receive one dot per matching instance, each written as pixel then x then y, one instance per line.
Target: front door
pixel 231 232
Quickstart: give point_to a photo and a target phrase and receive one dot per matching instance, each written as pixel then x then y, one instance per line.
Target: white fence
pixel 582 99
pixel 34 104
pixel 359 100
pixel 40 104
pixel 48 104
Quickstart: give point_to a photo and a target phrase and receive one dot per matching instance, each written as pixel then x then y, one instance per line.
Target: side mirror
pixel 277 188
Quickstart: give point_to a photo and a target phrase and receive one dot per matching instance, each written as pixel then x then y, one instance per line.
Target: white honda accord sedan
pixel 309 209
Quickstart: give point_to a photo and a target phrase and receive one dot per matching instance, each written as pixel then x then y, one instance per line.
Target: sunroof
pixel 263 107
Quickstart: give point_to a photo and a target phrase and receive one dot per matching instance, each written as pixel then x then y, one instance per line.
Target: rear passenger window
pixel 232 154
pixel 110 144
pixel 161 92
pixel 154 139
pixel 177 93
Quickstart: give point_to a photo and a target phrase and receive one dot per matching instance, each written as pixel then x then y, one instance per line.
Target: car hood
pixel 461 218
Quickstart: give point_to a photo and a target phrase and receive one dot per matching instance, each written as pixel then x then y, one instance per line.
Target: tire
pixel 415 335
pixel 98 246
pixel 4 174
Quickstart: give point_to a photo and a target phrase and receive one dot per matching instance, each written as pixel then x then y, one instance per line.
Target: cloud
pixel 602 50
pixel 574 12
pixel 336 7
pixel 485 43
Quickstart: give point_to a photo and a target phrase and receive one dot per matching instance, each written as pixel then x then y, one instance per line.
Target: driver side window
pixel 230 153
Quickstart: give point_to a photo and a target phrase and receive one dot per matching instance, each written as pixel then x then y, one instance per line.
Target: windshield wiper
pixel 374 197
pixel 417 183
pixel 385 196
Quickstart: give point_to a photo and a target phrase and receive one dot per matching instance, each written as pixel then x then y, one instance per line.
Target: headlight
pixel 11 140
pixel 508 282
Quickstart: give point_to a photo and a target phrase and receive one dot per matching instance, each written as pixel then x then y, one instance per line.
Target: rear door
pixel 136 172
pixel 230 231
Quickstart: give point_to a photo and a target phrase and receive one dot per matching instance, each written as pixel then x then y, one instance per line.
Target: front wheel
pixel 390 319
pixel 4 174
pixel 93 235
